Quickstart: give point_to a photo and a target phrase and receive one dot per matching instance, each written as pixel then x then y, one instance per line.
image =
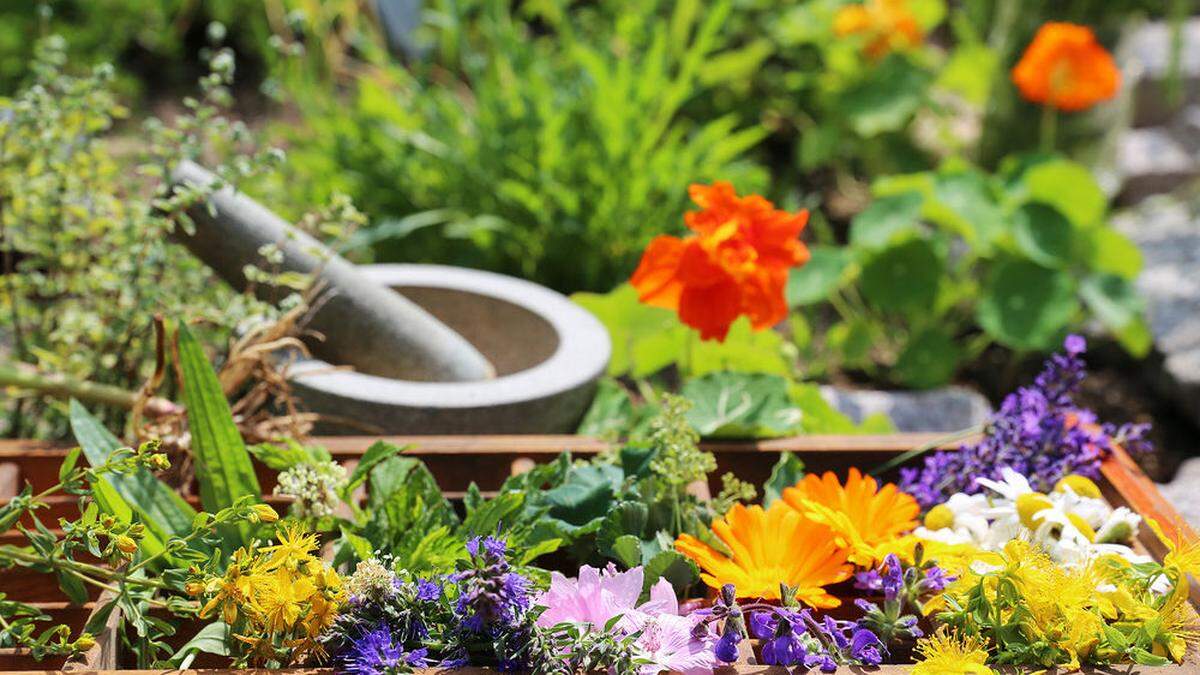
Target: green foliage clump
pixel 553 151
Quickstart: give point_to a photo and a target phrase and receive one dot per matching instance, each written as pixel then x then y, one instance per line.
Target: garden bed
pixel 487 460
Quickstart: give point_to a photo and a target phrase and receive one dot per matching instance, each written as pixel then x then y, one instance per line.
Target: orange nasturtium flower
pixel 888 25
pixel 770 547
pixel 1066 68
pixel 735 263
pixel 865 518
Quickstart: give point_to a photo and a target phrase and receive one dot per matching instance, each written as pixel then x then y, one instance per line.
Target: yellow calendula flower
pixel 770 547
pixel 947 653
pixel 865 516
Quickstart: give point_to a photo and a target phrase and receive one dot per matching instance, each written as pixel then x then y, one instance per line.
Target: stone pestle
pixel 365 325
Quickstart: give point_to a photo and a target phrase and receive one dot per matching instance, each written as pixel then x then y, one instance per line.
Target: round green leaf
pixel 1025 305
pixel 904 278
pixel 1043 234
pixel 818 278
pixel 886 98
pixel 1068 187
pixel 929 359
pixel 886 218
pixel 1112 299
pixel 1110 251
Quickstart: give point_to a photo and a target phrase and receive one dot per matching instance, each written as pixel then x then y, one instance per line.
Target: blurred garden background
pixel 981 178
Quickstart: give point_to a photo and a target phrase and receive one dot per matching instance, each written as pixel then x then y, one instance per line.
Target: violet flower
pixel 490 594
pixel 1038 432
pixel 377 653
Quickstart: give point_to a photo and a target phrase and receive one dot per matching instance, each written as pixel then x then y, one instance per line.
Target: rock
pixel 1145 57
pixel 946 410
pixel 1167 230
pixel 1158 159
pixel 1182 492
pixel 365 325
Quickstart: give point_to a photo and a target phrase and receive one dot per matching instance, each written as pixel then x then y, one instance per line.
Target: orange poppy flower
pixel 864 517
pixel 770 547
pixel 888 25
pixel 735 264
pixel 1065 67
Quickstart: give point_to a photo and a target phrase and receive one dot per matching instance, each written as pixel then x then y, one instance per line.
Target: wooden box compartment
pixel 456 461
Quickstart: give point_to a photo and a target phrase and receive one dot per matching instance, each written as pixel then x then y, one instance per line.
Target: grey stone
pixel 364 324
pixel 1182 492
pixel 1167 230
pixel 548 353
pixel 946 410
pixel 1156 160
pixel 1145 57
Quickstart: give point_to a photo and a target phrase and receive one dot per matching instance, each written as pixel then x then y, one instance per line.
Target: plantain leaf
pixel 223 467
pixel 164 513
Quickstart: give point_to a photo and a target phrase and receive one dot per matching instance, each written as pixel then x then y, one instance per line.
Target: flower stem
pixel 1049 128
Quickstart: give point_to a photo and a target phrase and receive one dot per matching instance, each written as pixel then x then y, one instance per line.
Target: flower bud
pixel 84 642
pixel 126 544
pixel 193 588
pixel 264 513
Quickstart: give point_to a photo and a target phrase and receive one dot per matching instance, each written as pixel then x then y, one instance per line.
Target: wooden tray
pixel 456 461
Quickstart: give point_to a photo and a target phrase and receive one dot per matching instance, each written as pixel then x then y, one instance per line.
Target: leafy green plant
pixel 555 151
pixel 944 263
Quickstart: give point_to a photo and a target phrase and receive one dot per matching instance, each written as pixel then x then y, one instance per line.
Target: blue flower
pixel 428 591
pixel 866 647
pixel 377 653
pixel 726 648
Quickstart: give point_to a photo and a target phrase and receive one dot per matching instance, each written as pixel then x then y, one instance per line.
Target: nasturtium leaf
pixel 1112 299
pixel 824 273
pixel 787 472
pixel 853 340
pixel 1107 250
pixel 744 349
pixel 645 339
pixel 741 405
pixel 1025 305
pixel 970 72
pixel 929 359
pixel 1069 187
pixel 964 202
pixel 886 218
pixel 886 98
pixel 903 278
pixel 1044 234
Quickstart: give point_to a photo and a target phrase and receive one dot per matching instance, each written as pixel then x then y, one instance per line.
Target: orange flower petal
pixel 1066 67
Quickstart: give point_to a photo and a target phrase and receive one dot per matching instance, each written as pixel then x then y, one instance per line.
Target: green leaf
pixel 883 221
pixel 1044 234
pixel 886 98
pixel 1069 187
pixel 645 339
pixel 288 452
pixel 1115 302
pixel 161 509
pixel 741 405
pixel 929 359
pixel 223 467
pixel 1026 306
pixel 1107 250
pixel 744 349
pixel 787 472
pixel 72 587
pixel 627 550
pixel 627 517
pixel 377 453
pixel 819 417
pixel 69 463
pixel 208 640
pixel 673 566
pixel 611 413
pixel 587 494
pixel 965 203
pixel 853 340
pixel 970 72
pixel 903 278
pixel 817 279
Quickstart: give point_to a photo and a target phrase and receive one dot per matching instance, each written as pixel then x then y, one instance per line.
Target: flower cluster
pixel 1038 432
pixel 314 487
pixel 734 264
pixel 277 600
pixel 903 588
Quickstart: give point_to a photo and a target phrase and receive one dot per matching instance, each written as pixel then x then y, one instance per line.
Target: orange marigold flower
pixel 735 264
pixel 864 517
pixel 770 547
pixel 888 25
pixel 1067 68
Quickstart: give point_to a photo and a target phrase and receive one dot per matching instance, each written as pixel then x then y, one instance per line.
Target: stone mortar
pixel 548 353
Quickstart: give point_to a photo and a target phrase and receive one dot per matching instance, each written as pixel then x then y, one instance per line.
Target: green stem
pixel 1049 128
pixel 63 387
pixel 922 449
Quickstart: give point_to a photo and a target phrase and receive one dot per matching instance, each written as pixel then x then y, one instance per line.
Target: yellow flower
pixel 1182 558
pixel 770 547
pixel 864 517
pixel 887 25
pixel 280 597
pixel 946 653
pixel 231 592
pixel 294 548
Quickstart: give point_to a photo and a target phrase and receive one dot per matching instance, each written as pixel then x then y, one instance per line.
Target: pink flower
pixel 599 595
pixel 668 642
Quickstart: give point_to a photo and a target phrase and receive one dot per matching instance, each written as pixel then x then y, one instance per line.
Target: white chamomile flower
pixel 1010 486
pixel 1120 526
